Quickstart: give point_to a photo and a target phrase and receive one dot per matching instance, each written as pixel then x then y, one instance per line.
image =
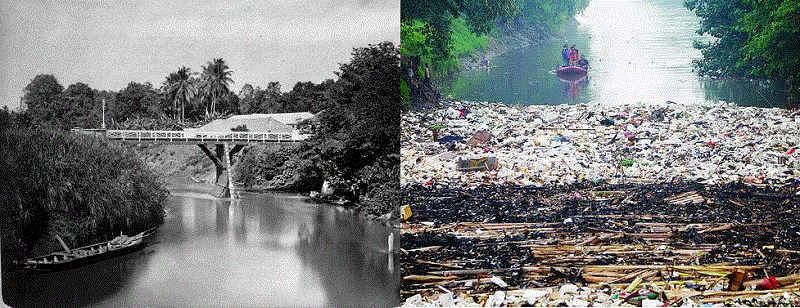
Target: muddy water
pixel 640 51
pixel 261 250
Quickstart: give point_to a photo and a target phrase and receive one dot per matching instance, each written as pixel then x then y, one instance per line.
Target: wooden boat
pixel 570 70
pixel 477 164
pixel 78 257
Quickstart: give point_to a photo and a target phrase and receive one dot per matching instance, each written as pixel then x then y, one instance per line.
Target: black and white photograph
pixel 200 153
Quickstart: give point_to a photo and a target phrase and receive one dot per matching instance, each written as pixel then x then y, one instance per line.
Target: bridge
pixel 220 133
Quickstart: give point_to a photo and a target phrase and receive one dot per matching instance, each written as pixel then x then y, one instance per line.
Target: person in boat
pixel 573 55
pixel 565 55
pixel 583 63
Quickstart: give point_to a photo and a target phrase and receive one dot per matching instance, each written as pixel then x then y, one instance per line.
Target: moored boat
pixel 73 258
pixel 570 70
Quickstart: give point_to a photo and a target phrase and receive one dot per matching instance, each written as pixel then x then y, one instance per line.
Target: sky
pixel 108 44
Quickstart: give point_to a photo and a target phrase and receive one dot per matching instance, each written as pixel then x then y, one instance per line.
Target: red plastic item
pixel 769 283
pixel 711 144
pixel 790 151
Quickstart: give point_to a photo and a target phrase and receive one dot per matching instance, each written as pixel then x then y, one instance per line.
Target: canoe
pixel 570 70
pixel 82 256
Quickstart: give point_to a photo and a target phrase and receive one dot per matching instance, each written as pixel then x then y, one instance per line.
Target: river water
pixel 640 51
pixel 263 250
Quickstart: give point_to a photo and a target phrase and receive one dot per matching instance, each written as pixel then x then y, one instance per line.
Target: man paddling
pixel 565 55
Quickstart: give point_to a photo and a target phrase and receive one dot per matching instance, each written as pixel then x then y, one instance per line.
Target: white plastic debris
pixel 499 282
pixel 538 145
pixel 446 300
pixel 567 289
pixel 651 303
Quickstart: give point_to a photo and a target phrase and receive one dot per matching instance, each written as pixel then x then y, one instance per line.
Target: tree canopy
pixel 216 79
pixel 753 38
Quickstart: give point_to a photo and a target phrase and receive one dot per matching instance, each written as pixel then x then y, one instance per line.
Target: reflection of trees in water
pixel 78 287
pixel 353 271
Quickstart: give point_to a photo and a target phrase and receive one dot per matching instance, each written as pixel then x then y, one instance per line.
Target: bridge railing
pixel 197 136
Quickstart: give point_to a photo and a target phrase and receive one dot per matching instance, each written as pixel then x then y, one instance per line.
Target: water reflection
pixel 260 250
pixel 572 87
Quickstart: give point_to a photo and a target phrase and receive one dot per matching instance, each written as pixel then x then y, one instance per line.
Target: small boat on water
pixel 570 70
pixel 77 257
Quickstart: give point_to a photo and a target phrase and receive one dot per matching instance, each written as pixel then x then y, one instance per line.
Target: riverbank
pixel 82 188
pixel 604 205
pixel 186 168
pixel 510 38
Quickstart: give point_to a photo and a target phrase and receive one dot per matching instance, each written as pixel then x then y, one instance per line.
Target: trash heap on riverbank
pixel 675 244
pixel 542 145
pixel 576 205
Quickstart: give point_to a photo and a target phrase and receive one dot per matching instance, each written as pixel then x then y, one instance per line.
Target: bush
pixel 80 187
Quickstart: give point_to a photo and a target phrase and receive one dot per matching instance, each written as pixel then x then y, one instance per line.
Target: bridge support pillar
pixel 223 181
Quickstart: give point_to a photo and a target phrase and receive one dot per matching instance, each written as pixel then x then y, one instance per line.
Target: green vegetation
pixel 551 13
pixel 79 187
pixel 753 39
pixel 435 34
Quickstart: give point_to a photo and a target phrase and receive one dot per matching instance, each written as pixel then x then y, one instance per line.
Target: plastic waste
pixel 499 282
pixel 405 212
pixel 769 283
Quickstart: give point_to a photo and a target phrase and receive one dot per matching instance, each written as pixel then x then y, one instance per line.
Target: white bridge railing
pixel 196 136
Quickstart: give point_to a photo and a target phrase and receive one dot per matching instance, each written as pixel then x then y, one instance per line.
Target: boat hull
pixel 570 70
pixel 36 265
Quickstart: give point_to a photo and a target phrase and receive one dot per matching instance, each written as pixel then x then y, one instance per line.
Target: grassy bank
pixel 79 187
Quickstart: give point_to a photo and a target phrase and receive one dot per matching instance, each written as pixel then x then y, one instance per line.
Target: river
pixel 262 250
pixel 640 51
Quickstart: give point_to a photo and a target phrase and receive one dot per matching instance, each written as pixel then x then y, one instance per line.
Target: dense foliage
pixel 753 38
pixel 435 34
pixel 356 142
pixel 79 187
pixel 427 26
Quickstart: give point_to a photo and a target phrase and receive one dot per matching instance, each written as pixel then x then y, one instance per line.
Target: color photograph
pixel 635 153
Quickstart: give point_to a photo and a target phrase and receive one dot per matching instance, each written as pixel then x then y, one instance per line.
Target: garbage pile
pixel 681 243
pixel 563 144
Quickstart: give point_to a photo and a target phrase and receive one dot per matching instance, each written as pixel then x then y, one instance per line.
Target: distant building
pixel 273 122
pixel 291 119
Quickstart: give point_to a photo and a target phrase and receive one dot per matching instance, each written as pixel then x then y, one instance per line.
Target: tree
pixel 719 18
pixel 79 108
pixel 755 38
pixel 269 100
pixel 179 88
pixel 216 78
pixel 775 25
pixel 369 98
pixel 438 14
pixel 42 99
pixel 246 99
pixel 137 100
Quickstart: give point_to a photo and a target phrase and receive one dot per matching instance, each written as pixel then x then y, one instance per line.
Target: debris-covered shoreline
pixel 707 216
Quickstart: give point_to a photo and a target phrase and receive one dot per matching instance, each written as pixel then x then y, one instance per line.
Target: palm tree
pixel 179 88
pixel 216 78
